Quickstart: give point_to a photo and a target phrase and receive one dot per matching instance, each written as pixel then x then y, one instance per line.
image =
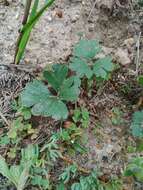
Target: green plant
pixel 137 124
pixel 44 102
pixel 114 184
pixel 43 183
pixel 16 174
pixel 135 169
pixel 83 62
pixel 69 173
pixel 19 129
pixel 38 171
pixel 90 182
pixel 29 21
pixel 72 138
pixel 51 100
pixel 52 151
pixel 140 80
pixel 81 115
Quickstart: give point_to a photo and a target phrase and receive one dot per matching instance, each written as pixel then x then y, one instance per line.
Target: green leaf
pixel 38 180
pixel 27 28
pixel 15 174
pixel 4 170
pixel 76 115
pixel 76 186
pixel 69 90
pixel 35 19
pixel 70 172
pixel 52 151
pixel 37 95
pixel 140 80
pixel 35 92
pixel 61 186
pixel 137 124
pixel 4 140
pixel 86 49
pixel 135 168
pixel 15 127
pixel 34 10
pixel 51 107
pixel 24 175
pixel 80 67
pixel 102 67
pixel 23 43
pixel 26 112
pixel 57 76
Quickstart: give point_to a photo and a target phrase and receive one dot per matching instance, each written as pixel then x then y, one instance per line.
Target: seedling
pixel 81 116
pixel 51 100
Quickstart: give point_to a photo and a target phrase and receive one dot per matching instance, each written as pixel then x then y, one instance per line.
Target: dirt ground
pixel 118 25
pixel 109 22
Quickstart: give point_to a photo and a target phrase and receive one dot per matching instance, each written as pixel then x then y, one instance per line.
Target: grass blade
pixel 27 28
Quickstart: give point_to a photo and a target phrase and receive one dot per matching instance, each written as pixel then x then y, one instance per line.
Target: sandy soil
pixel 54 35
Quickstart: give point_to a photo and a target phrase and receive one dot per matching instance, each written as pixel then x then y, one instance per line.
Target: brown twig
pixel 4 119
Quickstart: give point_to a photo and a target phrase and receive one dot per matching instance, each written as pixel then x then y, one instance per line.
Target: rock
pixel 122 56
pixel 129 42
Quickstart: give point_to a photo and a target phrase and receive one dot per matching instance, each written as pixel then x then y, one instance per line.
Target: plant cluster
pixel 64 82
pixel 53 96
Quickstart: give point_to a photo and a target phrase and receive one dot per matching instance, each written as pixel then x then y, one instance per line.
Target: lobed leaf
pixel 80 67
pixel 102 67
pixel 51 107
pixel 86 49
pixel 56 76
pixel 35 92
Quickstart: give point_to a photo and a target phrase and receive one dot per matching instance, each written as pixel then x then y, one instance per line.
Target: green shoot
pixel 30 20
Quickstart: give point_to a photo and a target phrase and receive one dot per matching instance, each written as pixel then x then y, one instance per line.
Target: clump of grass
pixel 31 17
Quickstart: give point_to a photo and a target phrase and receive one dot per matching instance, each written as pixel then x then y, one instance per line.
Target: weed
pixel 63 88
pixel 53 96
pixel 17 174
pixel 135 169
pixel 68 174
pixel 81 116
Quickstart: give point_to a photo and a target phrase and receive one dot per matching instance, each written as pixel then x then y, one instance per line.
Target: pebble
pixel 122 56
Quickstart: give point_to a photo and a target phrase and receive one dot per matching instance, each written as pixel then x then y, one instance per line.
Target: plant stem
pixel 26 12
pixel 24 21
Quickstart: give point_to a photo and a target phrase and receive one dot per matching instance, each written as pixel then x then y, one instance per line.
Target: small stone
pixel 49 18
pixel 129 42
pixel 122 57
pixel 59 13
